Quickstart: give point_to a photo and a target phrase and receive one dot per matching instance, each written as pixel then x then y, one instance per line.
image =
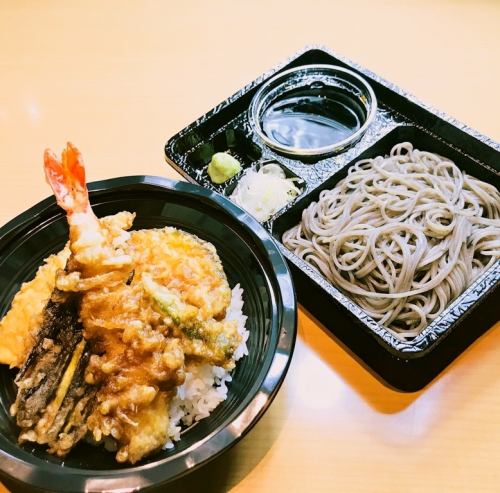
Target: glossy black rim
pixel 26 468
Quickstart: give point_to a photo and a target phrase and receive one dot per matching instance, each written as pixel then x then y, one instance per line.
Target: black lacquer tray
pixel 407 366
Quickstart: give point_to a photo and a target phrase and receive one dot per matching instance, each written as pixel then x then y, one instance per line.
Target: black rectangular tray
pixel 406 366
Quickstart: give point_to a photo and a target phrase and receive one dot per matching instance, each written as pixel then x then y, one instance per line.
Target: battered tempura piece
pixel 186 265
pixel 53 400
pixel 145 302
pixel 20 326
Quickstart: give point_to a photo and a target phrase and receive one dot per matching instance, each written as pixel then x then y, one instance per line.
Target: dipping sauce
pixel 313 117
pixel 312 111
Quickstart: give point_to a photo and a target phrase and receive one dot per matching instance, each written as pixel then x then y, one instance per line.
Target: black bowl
pixel 249 256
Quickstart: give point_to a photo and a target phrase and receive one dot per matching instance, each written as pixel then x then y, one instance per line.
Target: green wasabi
pixel 222 167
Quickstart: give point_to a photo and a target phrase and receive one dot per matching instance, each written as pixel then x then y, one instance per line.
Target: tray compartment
pixel 231 140
pixel 300 183
pixel 465 318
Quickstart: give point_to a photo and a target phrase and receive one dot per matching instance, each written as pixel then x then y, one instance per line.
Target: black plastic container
pixel 250 257
pixel 406 366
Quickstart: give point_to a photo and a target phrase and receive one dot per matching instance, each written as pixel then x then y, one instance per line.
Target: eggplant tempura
pixel 103 333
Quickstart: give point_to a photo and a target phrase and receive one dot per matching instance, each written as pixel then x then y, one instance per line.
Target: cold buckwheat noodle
pixel 401 235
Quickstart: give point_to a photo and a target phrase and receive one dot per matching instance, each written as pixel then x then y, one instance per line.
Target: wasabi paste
pixel 222 167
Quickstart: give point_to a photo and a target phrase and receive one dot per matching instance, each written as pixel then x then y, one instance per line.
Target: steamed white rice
pixel 205 386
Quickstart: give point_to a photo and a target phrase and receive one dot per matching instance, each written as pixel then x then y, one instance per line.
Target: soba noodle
pixel 401 235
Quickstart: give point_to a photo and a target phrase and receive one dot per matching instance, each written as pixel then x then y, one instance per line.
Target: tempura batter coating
pixel 185 264
pixel 22 322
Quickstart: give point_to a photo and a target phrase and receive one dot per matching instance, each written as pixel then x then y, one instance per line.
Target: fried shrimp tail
pixel 94 243
pixel 67 179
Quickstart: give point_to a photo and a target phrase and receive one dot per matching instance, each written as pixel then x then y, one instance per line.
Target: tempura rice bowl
pixel 250 259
